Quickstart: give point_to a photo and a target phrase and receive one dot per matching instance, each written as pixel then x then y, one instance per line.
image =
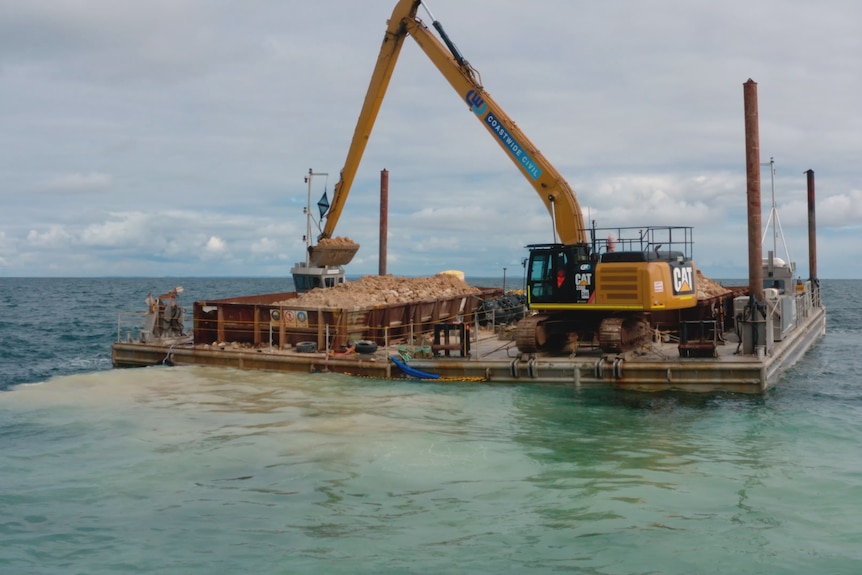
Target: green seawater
pixel 201 471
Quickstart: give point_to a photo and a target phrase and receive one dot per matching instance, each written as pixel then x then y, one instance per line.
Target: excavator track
pixel 530 334
pixel 615 334
pixel 618 334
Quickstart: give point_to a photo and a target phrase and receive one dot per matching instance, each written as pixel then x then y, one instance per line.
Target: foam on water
pixel 195 470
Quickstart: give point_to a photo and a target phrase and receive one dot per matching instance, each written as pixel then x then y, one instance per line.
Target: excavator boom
pixel 393 40
pixel 553 190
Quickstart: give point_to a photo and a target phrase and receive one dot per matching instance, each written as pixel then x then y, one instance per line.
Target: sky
pixel 173 137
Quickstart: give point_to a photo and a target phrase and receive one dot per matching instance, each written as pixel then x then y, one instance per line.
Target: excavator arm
pixel 393 40
pixel 553 190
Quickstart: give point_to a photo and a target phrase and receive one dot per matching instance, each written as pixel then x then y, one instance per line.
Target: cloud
pixel 215 245
pixel 104 40
pixel 841 210
pixel 54 237
pixel 122 229
pixel 266 248
pixel 195 123
pixel 76 183
pixel 5 249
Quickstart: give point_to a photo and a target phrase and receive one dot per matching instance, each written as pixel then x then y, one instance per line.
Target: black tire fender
pixel 365 347
pixel 306 347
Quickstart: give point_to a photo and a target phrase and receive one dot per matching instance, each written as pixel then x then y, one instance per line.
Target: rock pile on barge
pixel 707 288
pixel 370 291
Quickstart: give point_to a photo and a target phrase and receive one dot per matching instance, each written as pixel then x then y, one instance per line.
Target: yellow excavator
pixel 601 286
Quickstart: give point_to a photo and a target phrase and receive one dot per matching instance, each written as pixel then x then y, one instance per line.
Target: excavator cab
pixel 560 273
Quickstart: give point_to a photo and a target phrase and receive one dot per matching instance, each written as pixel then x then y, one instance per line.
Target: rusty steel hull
pixel 276 320
pixel 494 362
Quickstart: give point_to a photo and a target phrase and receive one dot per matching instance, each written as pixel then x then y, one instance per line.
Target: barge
pixel 738 339
pixel 628 311
pixel 458 339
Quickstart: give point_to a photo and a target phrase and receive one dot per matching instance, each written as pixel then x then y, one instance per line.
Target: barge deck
pixel 490 355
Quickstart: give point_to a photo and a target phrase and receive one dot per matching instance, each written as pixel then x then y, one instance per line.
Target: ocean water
pixel 186 470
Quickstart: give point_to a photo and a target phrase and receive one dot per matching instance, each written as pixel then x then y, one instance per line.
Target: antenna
pixel 774 219
pixel 307 210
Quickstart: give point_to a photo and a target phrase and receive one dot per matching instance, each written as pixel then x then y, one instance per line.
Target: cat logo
pixel 683 279
pixel 583 282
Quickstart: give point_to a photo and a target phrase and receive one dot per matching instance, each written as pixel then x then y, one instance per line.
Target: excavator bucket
pixel 333 252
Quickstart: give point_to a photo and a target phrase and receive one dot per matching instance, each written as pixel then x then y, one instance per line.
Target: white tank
pixel 457 273
pixel 776 262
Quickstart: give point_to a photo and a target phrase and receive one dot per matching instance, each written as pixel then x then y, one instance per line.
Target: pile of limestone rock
pixel 337 241
pixel 707 288
pixel 371 291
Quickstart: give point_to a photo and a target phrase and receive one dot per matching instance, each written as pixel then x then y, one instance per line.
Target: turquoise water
pixel 201 470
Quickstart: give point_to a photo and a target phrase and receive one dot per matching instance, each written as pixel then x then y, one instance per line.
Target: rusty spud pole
pixel 384 221
pixel 752 170
pixel 812 230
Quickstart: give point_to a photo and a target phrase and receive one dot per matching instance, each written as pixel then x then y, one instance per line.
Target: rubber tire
pixel 365 347
pixel 306 347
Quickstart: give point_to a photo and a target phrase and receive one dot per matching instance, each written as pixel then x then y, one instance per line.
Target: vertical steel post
pixel 384 220
pixel 752 169
pixel 812 230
